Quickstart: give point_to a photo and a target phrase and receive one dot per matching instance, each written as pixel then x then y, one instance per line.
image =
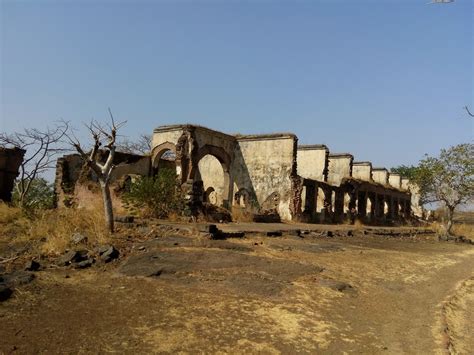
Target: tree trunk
pixel 109 213
pixel 449 224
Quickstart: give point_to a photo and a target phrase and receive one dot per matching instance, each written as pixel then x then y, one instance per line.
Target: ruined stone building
pixel 10 161
pixel 266 175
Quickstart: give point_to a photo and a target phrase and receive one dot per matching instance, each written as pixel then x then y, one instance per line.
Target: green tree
pixel 156 196
pixel 448 178
pixel 408 171
pixel 40 195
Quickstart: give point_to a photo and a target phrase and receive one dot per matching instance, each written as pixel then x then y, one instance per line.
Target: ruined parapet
pixel 339 168
pixel 395 180
pixel 380 175
pixel 362 170
pixel 68 171
pixel 313 161
pixel 10 162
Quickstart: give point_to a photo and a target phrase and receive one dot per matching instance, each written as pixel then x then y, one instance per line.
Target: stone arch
pixel 224 159
pixel 157 154
pixel 217 152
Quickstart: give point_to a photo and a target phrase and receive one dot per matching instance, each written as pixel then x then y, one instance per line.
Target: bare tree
pixel 468 112
pixel 141 146
pixel 42 147
pixel 103 171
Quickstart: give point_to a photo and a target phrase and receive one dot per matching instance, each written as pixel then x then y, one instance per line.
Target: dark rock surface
pixel 32 265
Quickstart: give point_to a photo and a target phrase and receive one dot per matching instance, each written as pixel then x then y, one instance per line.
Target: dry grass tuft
pixel 54 227
pixel 12 220
pixel 358 224
pixel 464 229
pixel 459 229
pixel 240 214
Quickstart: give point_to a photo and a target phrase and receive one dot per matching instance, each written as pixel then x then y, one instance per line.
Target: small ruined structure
pixel 10 162
pixel 268 176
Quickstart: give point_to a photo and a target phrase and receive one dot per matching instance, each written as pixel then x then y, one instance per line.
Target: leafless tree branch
pixel 468 112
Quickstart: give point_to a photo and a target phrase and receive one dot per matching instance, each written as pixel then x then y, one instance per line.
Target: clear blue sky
pixel 385 80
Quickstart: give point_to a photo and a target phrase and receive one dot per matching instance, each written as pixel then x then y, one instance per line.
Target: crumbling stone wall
pixel 313 161
pixel 380 175
pixel 264 165
pixel 76 184
pixel 395 180
pixel 362 170
pixel 10 162
pixel 264 173
pixel 340 167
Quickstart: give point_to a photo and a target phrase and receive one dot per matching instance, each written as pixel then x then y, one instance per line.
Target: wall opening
pixel 211 172
pixel 166 161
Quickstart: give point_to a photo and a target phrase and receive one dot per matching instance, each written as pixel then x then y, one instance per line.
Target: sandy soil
pixel 364 294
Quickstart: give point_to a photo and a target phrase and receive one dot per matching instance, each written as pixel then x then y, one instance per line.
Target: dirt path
pixel 255 295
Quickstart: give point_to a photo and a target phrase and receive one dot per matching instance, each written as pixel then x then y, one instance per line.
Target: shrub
pixel 159 196
pixel 39 196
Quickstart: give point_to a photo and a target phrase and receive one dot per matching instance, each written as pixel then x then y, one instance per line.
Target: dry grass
pixel 240 214
pixel 54 227
pixel 464 229
pixel 459 229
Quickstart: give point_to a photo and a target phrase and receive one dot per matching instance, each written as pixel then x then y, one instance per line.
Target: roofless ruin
pixel 269 175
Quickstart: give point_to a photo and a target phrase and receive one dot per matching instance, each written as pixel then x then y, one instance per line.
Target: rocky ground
pixel 276 289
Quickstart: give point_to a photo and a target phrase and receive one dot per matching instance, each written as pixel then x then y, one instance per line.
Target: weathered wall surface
pixel 416 207
pixel 10 161
pixel 395 180
pixel 340 167
pixel 71 173
pixel 362 171
pixel 212 175
pixel 380 175
pixel 263 166
pixel 405 183
pixel 312 162
pixel 165 134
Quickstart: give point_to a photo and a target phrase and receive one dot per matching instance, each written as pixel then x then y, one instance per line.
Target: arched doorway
pixel 211 173
pixel 164 157
pixel 211 166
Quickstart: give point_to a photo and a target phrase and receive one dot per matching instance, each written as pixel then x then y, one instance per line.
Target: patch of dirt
pixel 174 292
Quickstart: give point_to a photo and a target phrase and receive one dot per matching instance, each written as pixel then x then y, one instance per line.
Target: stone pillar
pixel 362 204
pixel 396 208
pixel 390 213
pixel 339 206
pixel 326 212
pixel 379 206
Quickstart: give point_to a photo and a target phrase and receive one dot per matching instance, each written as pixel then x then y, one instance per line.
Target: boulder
pixel 72 256
pixel 108 253
pixel 84 264
pixel 32 265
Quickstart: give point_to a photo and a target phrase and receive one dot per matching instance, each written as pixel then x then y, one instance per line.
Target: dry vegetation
pixel 53 227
